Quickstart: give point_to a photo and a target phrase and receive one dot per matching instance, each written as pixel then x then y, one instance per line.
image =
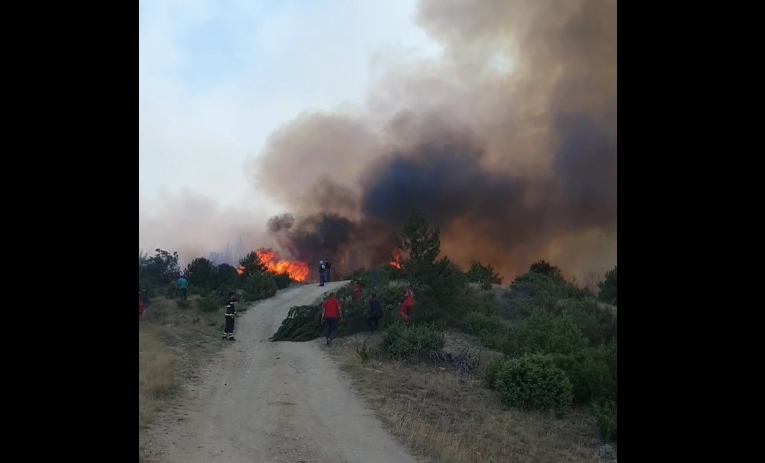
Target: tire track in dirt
pixel 261 401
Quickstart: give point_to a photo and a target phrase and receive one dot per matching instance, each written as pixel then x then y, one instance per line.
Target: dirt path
pixel 265 402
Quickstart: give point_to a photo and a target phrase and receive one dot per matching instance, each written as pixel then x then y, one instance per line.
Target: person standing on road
pixel 228 331
pixel 322 270
pixel 375 313
pixel 406 306
pixel 328 265
pixel 330 314
pixel 183 285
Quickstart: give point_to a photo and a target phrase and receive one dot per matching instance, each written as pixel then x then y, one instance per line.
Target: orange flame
pixel 298 271
pixel 396 262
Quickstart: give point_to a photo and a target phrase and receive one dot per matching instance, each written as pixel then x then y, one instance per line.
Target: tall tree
pixel 421 242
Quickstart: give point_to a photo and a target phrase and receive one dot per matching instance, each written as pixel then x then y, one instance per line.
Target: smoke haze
pixel 507 141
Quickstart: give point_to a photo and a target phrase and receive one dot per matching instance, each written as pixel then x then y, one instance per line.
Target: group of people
pixel 332 314
pixel 325 270
pixel 331 310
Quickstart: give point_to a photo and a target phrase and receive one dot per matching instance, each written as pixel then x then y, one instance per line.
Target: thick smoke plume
pixel 508 141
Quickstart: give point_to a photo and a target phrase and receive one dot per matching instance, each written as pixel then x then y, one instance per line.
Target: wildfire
pixel 298 271
pixel 396 261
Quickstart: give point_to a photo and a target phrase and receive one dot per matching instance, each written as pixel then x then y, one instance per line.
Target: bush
pixel 171 290
pixel 542 332
pixel 489 329
pixel 401 341
pixel 282 280
pixel 476 322
pixel 589 376
pixel 207 304
pixel 260 285
pixel 491 373
pixel 605 417
pixel 596 323
pixel 484 275
pixel 533 382
pixel 608 287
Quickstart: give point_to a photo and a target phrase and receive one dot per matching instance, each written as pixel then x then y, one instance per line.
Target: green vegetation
pixel 556 341
pixel 158 275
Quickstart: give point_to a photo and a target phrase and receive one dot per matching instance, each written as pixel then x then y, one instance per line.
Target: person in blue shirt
pixel 183 285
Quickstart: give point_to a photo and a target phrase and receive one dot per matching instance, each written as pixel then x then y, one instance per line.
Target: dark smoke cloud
pixel 515 166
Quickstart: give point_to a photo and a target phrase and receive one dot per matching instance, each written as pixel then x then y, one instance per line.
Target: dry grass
pixel 156 376
pixel 172 341
pixel 452 419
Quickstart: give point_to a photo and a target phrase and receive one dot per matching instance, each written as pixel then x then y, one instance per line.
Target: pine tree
pixel 421 242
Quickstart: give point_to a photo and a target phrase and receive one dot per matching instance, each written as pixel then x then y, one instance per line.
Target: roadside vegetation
pixel 175 336
pixel 484 372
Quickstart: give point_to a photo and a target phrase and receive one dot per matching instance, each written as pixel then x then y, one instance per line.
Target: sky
pixel 216 77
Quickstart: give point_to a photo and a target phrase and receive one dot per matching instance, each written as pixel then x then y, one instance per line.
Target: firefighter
pixel 322 270
pixel 406 306
pixel 328 266
pixel 228 332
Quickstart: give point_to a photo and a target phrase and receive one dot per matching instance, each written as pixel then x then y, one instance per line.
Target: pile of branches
pixel 466 361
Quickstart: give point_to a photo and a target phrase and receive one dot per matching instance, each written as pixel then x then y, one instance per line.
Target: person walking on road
pixel 330 314
pixel 375 313
pixel 322 271
pixel 228 331
pixel 183 286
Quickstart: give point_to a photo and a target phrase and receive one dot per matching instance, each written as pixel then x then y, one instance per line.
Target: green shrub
pixel 608 287
pixel 605 417
pixel 261 285
pixel 484 275
pixel 542 332
pixel 183 304
pixel 489 329
pixel 533 382
pixel 171 290
pixel 207 304
pixel 491 373
pixel 589 375
pixel 282 280
pixel 475 323
pixel 402 341
pixel 596 323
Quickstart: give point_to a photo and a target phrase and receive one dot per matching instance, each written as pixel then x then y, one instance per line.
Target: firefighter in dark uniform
pixel 228 332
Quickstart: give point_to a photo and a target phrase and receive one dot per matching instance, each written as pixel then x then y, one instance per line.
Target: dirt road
pixel 266 402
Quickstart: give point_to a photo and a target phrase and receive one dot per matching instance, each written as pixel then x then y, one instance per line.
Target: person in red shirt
pixel 356 287
pixel 330 314
pixel 406 306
